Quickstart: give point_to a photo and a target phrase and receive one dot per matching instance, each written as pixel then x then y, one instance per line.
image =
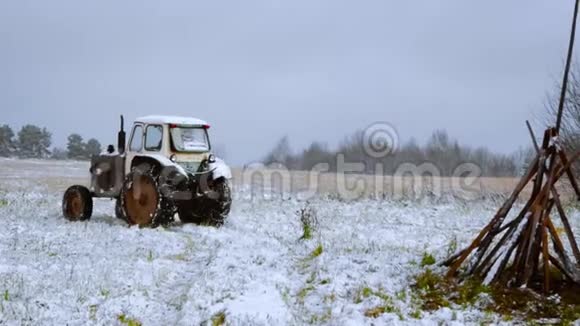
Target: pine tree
pixel 33 142
pixel 76 147
pixel 93 147
pixel 7 146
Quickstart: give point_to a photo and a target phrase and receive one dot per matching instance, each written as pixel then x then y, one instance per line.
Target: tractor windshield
pixel 189 139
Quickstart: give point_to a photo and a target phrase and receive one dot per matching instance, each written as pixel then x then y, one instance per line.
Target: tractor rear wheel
pixel 141 201
pixel 77 204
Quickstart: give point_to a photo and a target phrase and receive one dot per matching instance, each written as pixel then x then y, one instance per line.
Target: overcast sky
pixel 258 70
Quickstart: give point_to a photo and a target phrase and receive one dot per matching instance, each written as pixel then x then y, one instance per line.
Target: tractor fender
pixel 164 162
pixel 220 169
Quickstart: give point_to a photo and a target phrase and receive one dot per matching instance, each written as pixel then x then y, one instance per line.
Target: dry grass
pixel 375 186
pixel 58 175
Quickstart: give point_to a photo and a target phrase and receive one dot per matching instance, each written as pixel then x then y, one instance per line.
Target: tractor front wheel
pixel 221 206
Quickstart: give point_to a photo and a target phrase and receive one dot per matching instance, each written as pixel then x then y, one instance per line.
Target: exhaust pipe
pixel 121 137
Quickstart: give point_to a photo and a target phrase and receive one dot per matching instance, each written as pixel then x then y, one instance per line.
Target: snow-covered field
pixel 253 271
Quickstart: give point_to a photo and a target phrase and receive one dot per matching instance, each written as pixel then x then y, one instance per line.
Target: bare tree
pixel 441 149
pixel 280 154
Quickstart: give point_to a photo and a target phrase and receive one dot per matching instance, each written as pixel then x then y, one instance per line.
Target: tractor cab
pixel 183 141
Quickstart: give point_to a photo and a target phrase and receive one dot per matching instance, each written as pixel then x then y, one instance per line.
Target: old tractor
pixel 167 170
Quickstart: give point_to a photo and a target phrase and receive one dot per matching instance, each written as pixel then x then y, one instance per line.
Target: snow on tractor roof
pixel 167 119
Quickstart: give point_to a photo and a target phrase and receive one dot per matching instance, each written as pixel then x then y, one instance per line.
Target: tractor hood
pixel 189 162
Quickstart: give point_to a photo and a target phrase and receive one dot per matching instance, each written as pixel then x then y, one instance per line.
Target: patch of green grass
pixel 150 256
pixel 331 298
pixel 401 295
pixel 452 248
pixel 387 305
pixel 219 319
pixel 105 293
pixel 306 232
pixel 321 319
pixel 317 252
pixel 431 290
pixel 128 321
pixel 308 220
pixel 367 292
pixel 427 260
pixel 514 304
pixel 434 291
pixel 6 296
pixel 416 314
pixel 470 291
pixel 179 257
pixel 376 312
pixel 570 314
pixel 3 202
pixel 386 308
pixel 312 278
pixel 304 292
pixel 285 293
pixel 363 293
pixel 93 312
pixel 325 281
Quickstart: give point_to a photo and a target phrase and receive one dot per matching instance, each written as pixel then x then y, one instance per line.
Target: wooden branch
pixel 535 260
pixel 514 221
pixel 538 210
pixel 520 257
pixel 567 226
pixel 570 174
pixel 559 266
pixel 563 157
pixel 451 259
pixel 508 235
pixel 507 256
pixel 567 69
pixel 556 196
pixel 534 140
pixel 546 254
pixel 561 251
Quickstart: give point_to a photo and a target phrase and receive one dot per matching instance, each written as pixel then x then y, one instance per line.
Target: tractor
pixel 166 170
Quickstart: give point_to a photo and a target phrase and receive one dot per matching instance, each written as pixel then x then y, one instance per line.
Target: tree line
pixel 35 142
pixel 442 150
pixel 445 152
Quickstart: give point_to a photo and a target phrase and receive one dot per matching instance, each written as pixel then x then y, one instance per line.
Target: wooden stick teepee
pixel 516 252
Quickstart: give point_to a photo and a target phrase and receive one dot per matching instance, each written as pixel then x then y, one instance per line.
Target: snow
pixel 255 269
pixel 220 169
pixel 555 141
pixel 166 119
